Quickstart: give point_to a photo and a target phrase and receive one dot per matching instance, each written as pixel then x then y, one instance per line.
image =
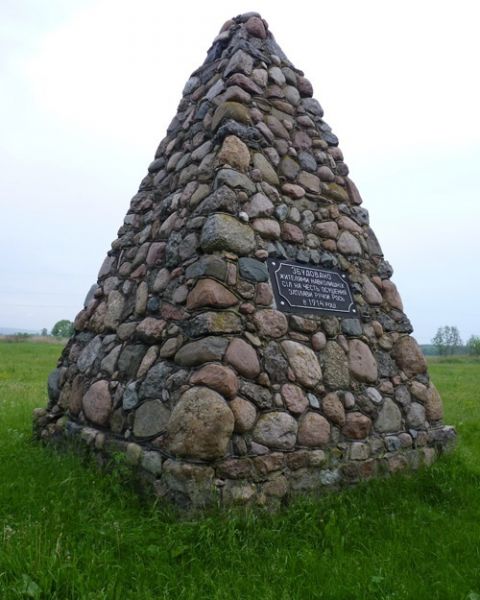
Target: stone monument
pixel 244 342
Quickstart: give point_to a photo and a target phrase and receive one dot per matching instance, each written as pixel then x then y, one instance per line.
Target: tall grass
pixel 69 532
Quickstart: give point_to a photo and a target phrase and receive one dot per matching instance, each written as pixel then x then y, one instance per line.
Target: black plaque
pixel 307 289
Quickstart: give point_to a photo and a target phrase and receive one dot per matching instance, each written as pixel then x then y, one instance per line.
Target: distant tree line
pixel 447 341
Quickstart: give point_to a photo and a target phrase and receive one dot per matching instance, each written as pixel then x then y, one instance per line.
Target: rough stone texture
pixel 332 408
pixel 361 361
pixel 303 362
pixel 409 357
pixel 200 426
pixel 248 171
pixel 221 379
pixel 150 419
pixel 357 426
pixel 243 357
pixel 276 430
pixel 313 430
pixel 235 153
pixel 245 414
pixel 209 292
pixel 97 403
pixel 201 351
pixel 295 398
pixel 224 232
pixel 271 323
pixel 389 418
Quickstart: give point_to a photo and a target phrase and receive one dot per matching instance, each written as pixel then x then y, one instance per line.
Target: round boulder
pixel 276 429
pixel 97 403
pixel 200 426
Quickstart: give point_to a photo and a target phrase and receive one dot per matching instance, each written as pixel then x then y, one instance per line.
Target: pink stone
pixel 150 329
pixel 271 323
pixel 409 357
pixel 313 430
pixel 332 408
pixel 433 404
pixel 255 27
pixel 327 229
pixel 243 358
pixel 370 292
pixel 304 87
pixel 245 414
pixel 219 378
pixel 292 233
pixel 264 294
pixel 302 140
pixel 235 153
pixel 293 191
pixel 155 253
pixel 303 362
pixel 259 206
pixel 348 244
pixel 349 224
pixel 97 403
pixel 319 341
pixel 294 398
pixel 357 426
pixel 267 228
pixel 361 362
pixel 391 295
pixel 208 292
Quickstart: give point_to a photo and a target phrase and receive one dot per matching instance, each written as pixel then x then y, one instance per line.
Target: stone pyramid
pixel 244 342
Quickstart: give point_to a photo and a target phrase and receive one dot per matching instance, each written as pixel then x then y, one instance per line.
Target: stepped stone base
pixel 264 480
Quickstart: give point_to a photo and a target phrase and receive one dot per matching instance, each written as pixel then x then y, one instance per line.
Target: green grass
pixel 68 532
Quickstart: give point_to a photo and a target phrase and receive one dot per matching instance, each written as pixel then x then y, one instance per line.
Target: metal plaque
pixel 307 289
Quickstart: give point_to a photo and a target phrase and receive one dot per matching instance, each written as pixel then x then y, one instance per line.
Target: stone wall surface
pixel 181 359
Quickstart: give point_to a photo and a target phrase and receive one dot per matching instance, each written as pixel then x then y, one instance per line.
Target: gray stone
pixel 152 462
pixel 416 416
pixel 374 395
pixel 352 327
pixel 222 199
pixel 252 269
pixel 275 364
pixel 196 353
pixel 89 354
pixel 53 384
pixel 277 430
pixel 223 232
pixel 389 418
pixel 259 395
pixel 213 266
pixel 234 179
pixel 130 359
pixel 154 382
pixel 240 62
pixel 130 396
pixel 151 418
pixel 336 374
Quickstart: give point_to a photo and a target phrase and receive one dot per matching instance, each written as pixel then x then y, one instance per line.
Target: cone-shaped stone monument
pixel 244 342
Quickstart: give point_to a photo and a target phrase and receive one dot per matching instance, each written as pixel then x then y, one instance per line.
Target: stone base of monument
pixel 264 480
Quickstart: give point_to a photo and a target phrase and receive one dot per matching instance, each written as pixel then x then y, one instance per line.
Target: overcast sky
pixel 88 88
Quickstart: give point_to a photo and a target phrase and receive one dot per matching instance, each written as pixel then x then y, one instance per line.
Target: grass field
pixel 67 532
